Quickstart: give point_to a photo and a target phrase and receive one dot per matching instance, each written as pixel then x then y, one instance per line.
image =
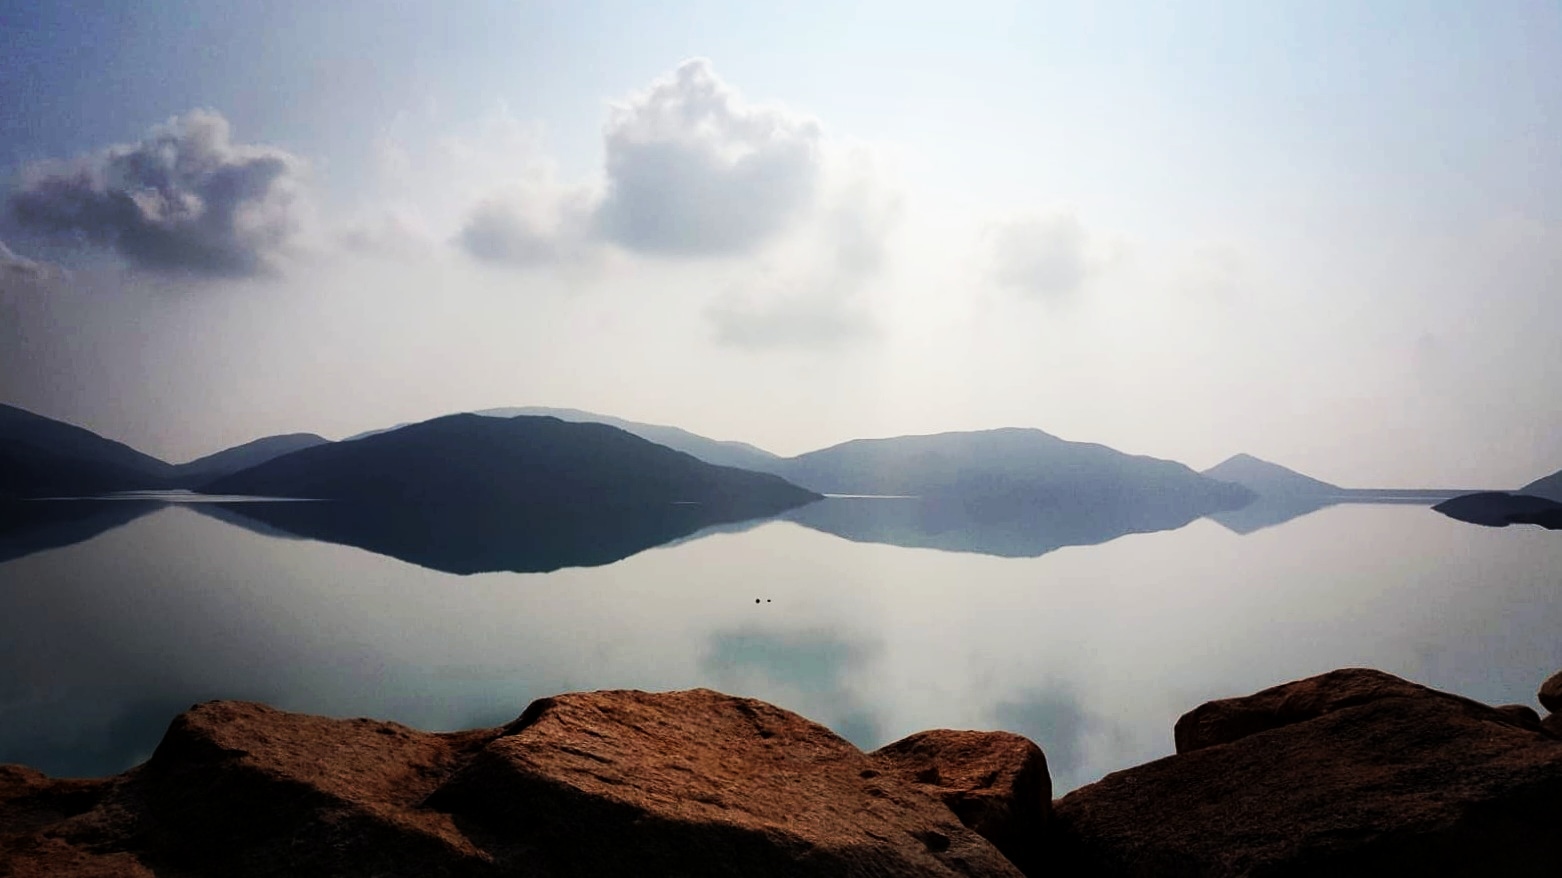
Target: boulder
pixel 1552 724
pixel 606 783
pixel 1521 715
pixel 995 782
pixel 1349 773
pixel 1551 693
pixel 698 783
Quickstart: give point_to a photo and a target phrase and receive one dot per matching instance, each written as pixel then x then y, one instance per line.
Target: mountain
pixel 42 457
pixel 1549 487
pixel 721 453
pixel 473 461
pixel 1500 509
pixel 1269 479
pixel 1010 466
pixel 242 457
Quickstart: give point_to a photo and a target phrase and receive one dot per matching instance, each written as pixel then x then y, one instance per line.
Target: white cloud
pixel 693 170
pixel 186 198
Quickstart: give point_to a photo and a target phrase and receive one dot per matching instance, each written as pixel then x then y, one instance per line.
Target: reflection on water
pixel 465 540
pixel 1008 528
pixel 1093 651
pixel 37 525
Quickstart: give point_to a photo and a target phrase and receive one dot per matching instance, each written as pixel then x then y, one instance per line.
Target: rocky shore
pixel 1354 772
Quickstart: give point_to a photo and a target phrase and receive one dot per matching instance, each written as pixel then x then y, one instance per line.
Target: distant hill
pixel 722 453
pixel 1269 479
pixel 242 457
pixel 1500 509
pixel 42 457
pixel 1549 487
pixel 1013 466
pixel 475 461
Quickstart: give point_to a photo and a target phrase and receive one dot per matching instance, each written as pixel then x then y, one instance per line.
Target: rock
pixel 699 783
pixel 995 782
pixel 607 783
pixel 1349 773
pixel 1521 715
pixel 1551 693
pixel 1231 719
pixel 1552 724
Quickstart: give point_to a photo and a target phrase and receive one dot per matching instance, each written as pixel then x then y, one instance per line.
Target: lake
pixel 111 623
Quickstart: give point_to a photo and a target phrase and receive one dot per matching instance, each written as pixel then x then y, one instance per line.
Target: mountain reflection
pixel 30 526
pixel 1008 528
pixel 1269 512
pixel 463 539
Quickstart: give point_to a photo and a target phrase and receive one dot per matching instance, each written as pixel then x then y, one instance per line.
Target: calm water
pixel 1093 651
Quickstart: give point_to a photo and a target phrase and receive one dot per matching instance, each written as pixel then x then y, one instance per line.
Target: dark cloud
pixel 186 198
pixel 692 170
pixel 1042 257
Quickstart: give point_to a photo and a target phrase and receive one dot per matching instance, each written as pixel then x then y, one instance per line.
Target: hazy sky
pixel 1325 233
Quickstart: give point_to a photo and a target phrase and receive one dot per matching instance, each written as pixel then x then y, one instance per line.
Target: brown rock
pixel 1551 693
pixel 699 783
pixel 1231 719
pixel 1384 778
pixel 1552 724
pixel 611 783
pixel 995 782
pixel 1521 715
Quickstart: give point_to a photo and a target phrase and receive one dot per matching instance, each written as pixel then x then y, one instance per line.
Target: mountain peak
pixel 1268 479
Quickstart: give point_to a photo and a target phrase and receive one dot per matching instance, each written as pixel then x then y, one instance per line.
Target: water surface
pixel 112 624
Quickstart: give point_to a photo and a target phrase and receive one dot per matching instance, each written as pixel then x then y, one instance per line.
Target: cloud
pixel 693 170
pixel 818 301
pixel 794 319
pixel 186 198
pixel 529 224
pixel 1040 257
pixel 19 269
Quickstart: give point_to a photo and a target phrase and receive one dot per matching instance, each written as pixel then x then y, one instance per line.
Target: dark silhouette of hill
pixel 242 457
pixel 469 539
pixel 1500 509
pixel 1549 488
pixel 1269 479
pixel 1008 527
pixel 1013 469
pixel 42 457
pixel 29 526
pixel 478 462
pixel 722 453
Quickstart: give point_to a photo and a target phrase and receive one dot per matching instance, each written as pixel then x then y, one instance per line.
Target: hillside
pixel 242 457
pixel 1499 509
pixel 1549 488
pixel 1010 465
pixel 1269 479
pixel 474 461
pixel 721 453
pixel 42 457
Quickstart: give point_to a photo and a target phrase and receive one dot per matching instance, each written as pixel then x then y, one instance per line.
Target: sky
pixel 1328 234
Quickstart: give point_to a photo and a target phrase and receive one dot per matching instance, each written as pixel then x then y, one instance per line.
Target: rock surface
pixel 604 783
pixel 1350 773
pixel 995 782
pixel 1551 692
